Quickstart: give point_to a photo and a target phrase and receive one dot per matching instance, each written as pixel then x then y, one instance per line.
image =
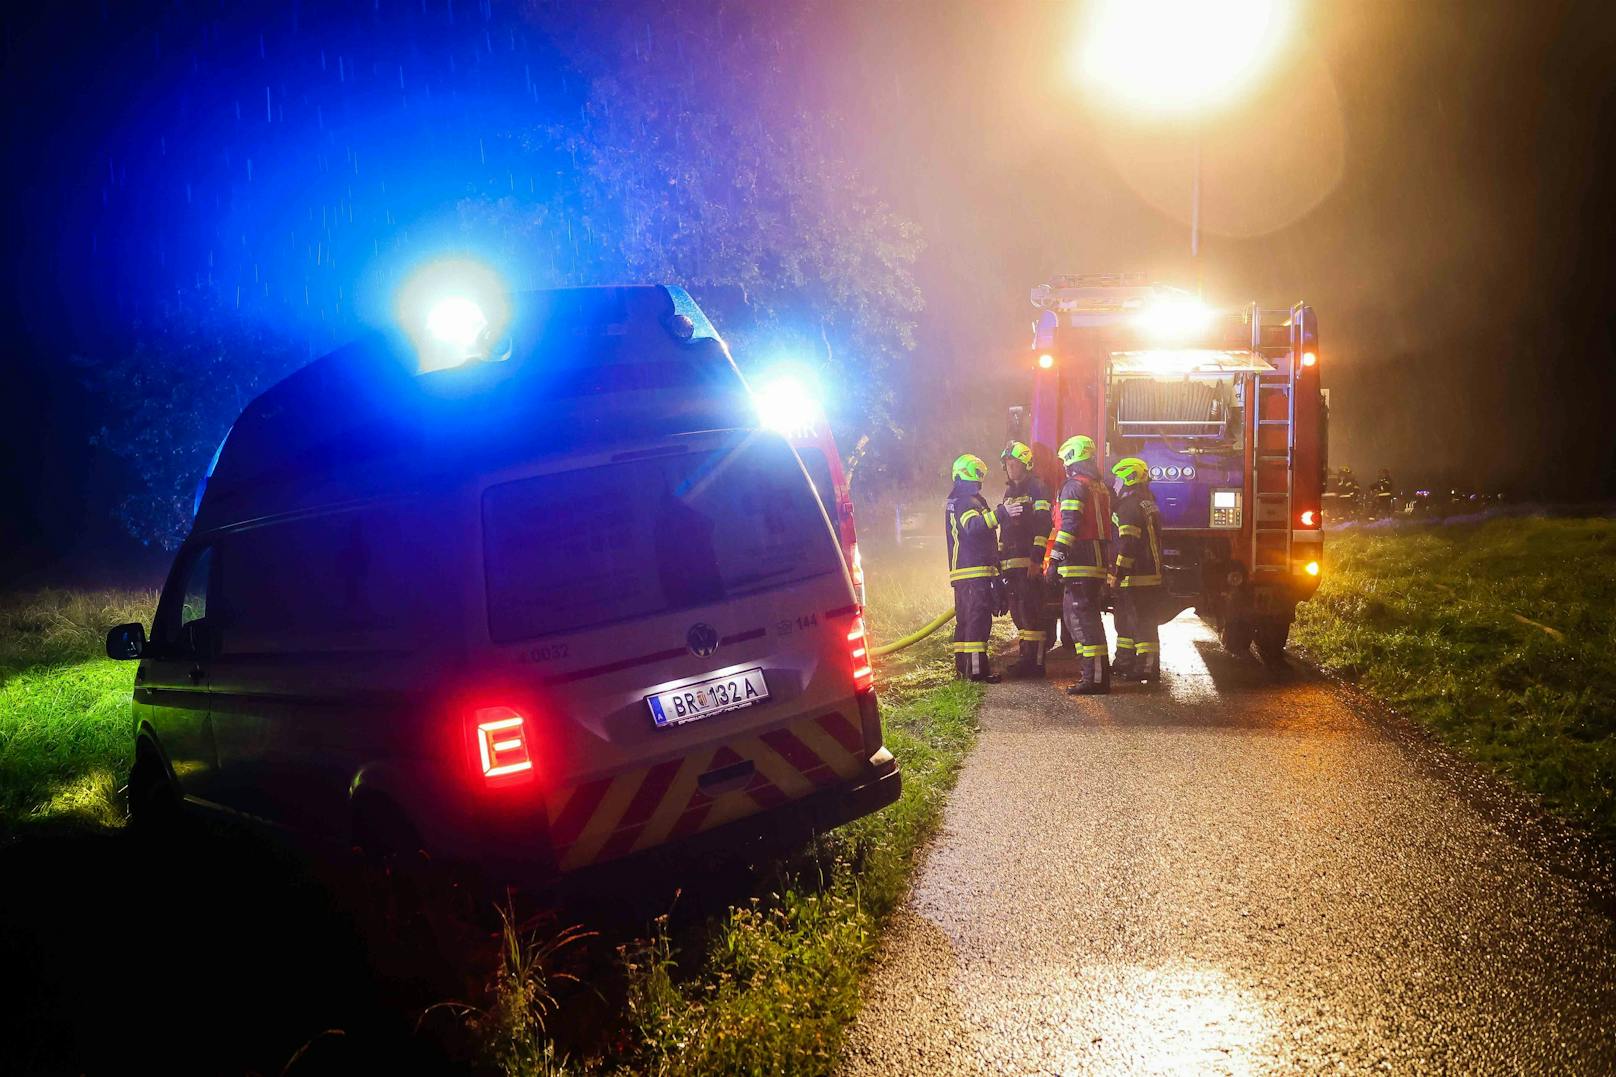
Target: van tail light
pixel 858 569
pixel 502 745
pixel 859 650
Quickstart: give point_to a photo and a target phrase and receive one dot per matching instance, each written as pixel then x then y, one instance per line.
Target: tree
pixel 171 389
pixel 695 159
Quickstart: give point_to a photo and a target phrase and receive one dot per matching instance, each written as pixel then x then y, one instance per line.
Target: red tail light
pixel 858 649
pixel 502 745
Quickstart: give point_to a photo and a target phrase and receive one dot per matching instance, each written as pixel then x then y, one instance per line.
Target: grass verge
pixel 778 981
pixel 64 707
pixel 1499 637
pixel 766 987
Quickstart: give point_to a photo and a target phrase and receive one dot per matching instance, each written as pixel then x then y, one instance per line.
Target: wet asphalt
pixel 1239 870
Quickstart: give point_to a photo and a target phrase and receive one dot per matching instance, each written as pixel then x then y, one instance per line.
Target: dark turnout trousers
pixel 1138 642
pixel 973 624
pixel 1027 613
pixel 1081 606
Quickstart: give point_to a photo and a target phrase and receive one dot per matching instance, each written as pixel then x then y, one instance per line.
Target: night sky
pixel 1435 178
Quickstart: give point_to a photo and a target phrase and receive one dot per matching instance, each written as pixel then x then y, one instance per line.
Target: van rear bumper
pixel 833 807
pixel 790 823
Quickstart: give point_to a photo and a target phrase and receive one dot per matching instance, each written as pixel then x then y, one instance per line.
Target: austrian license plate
pixel 714 695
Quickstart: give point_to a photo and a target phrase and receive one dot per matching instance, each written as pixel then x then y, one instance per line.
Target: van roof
pixel 583 368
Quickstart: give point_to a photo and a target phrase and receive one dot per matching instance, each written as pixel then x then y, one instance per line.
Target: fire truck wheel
pixel 1235 635
pixel 1271 639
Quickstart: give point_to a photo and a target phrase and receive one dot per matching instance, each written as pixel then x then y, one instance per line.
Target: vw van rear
pixel 539 614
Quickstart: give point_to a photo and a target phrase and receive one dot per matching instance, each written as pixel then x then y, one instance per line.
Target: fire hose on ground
pixel 914 637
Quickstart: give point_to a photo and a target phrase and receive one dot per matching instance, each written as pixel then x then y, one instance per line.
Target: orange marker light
pixel 1312 568
pixel 1309 518
pixel 1046 361
pixel 1309 359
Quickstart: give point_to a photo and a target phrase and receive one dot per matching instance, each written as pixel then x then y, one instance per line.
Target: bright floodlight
pixel 457 322
pixel 1178 55
pixel 785 405
pixel 1175 317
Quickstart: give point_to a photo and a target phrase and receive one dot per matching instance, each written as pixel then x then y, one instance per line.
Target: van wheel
pixel 154 802
pixel 1271 639
pixel 1235 635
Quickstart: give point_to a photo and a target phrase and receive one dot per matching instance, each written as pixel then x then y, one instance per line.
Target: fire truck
pixel 1225 407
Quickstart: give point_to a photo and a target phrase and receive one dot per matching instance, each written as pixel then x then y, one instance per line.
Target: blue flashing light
pixel 457 322
pixel 786 405
pixel 454 310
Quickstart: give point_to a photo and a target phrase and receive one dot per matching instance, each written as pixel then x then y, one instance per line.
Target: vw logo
pixel 702 640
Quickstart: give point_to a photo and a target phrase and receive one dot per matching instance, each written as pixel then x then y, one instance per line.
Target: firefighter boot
pixel 1147 666
pixel 981 671
pixel 1096 670
pixel 1030 663
pixel 1136 671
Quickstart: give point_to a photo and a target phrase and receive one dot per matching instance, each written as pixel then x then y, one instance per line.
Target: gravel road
pixel 1236 871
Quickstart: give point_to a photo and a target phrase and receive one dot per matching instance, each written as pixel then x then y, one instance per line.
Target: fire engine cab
pixel 1225 407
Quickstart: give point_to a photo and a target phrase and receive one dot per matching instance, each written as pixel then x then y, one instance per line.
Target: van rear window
pixel 649 536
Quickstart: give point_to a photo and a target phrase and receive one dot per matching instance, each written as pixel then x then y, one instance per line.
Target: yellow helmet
pixel 970 468
pixel 1017 450
pixel 1076 449
pixel 1131 470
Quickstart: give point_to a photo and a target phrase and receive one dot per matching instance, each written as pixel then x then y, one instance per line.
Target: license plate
pixel 715 695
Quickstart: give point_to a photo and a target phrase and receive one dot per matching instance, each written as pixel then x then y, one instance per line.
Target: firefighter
pixel 1346 485
pixel 1136 574
pixel 973 559
pixel 1023 533
pixel 1385 493
pixel 1077 560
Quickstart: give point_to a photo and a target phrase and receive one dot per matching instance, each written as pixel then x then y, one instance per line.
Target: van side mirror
pixel 127 641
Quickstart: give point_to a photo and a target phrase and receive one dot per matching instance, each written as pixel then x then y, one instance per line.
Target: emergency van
pixel 540 610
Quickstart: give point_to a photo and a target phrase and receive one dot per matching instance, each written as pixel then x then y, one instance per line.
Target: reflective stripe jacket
pixel 970 526
pixel 1081 527
pixel 1022 538
pixel 1138 521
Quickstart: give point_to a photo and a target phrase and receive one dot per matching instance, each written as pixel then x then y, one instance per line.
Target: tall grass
pixel 64 706
pixel 766 986
pixel 779 979
pixel 1500 637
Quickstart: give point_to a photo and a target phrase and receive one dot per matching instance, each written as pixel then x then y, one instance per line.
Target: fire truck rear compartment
pixel 1174 408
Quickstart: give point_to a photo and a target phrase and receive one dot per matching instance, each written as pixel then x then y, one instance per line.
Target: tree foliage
pixel 171 389
pixel 696 159
pixel 693 158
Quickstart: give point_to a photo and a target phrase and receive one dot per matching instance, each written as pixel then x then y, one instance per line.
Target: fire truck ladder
pixel 1272 477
